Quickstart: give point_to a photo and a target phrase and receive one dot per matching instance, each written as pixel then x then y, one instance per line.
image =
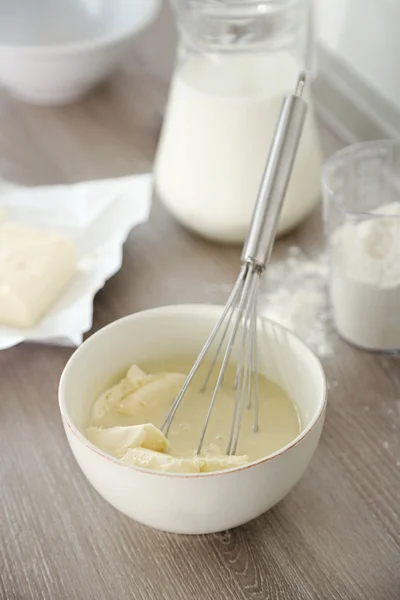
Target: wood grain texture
pixel 336 536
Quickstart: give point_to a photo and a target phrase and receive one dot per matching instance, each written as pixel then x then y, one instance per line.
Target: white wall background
pixel 365 35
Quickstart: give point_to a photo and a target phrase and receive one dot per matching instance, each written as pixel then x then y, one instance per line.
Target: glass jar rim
pixel 238 3
pixel 340 157
pixel 239 6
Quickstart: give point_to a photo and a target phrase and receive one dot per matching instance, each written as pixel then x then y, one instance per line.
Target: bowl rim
pixel 188 308
pixel 153 7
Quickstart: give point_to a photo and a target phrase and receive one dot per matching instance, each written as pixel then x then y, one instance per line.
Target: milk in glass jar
pixel 236 61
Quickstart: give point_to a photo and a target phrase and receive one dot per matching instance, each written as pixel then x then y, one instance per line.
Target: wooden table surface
pixel 337 535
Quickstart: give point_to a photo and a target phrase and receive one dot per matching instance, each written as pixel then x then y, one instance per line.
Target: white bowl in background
pixel 54 52
pixel 190 503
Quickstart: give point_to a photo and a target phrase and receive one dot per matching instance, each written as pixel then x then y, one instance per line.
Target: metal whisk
pixel 240 312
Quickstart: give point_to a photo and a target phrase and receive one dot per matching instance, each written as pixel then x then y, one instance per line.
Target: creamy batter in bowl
pixel 190 502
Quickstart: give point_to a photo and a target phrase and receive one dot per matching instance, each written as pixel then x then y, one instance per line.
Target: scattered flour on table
pixel 294 294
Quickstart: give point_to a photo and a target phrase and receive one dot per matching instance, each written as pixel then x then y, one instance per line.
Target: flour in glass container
pixel 365 279
pixel 221 116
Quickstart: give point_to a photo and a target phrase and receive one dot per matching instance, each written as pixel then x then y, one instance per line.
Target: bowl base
pixel 59 98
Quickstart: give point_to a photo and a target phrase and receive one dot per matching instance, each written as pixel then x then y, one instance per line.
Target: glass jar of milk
pixel 236 61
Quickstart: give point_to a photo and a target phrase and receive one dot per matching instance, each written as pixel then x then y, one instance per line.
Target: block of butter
pixel 35 267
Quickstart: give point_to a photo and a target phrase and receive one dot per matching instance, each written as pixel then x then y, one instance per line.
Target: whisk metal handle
pixel 260 238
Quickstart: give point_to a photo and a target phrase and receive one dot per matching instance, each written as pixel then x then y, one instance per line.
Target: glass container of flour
pixel 361 186
pixel 236 61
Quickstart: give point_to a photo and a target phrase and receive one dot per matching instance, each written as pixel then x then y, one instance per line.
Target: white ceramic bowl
pixel 190 503
pixel 55 51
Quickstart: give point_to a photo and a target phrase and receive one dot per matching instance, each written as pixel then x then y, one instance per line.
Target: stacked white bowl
pixel 55 51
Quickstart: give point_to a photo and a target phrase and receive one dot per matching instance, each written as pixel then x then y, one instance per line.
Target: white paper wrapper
pixel 98 216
